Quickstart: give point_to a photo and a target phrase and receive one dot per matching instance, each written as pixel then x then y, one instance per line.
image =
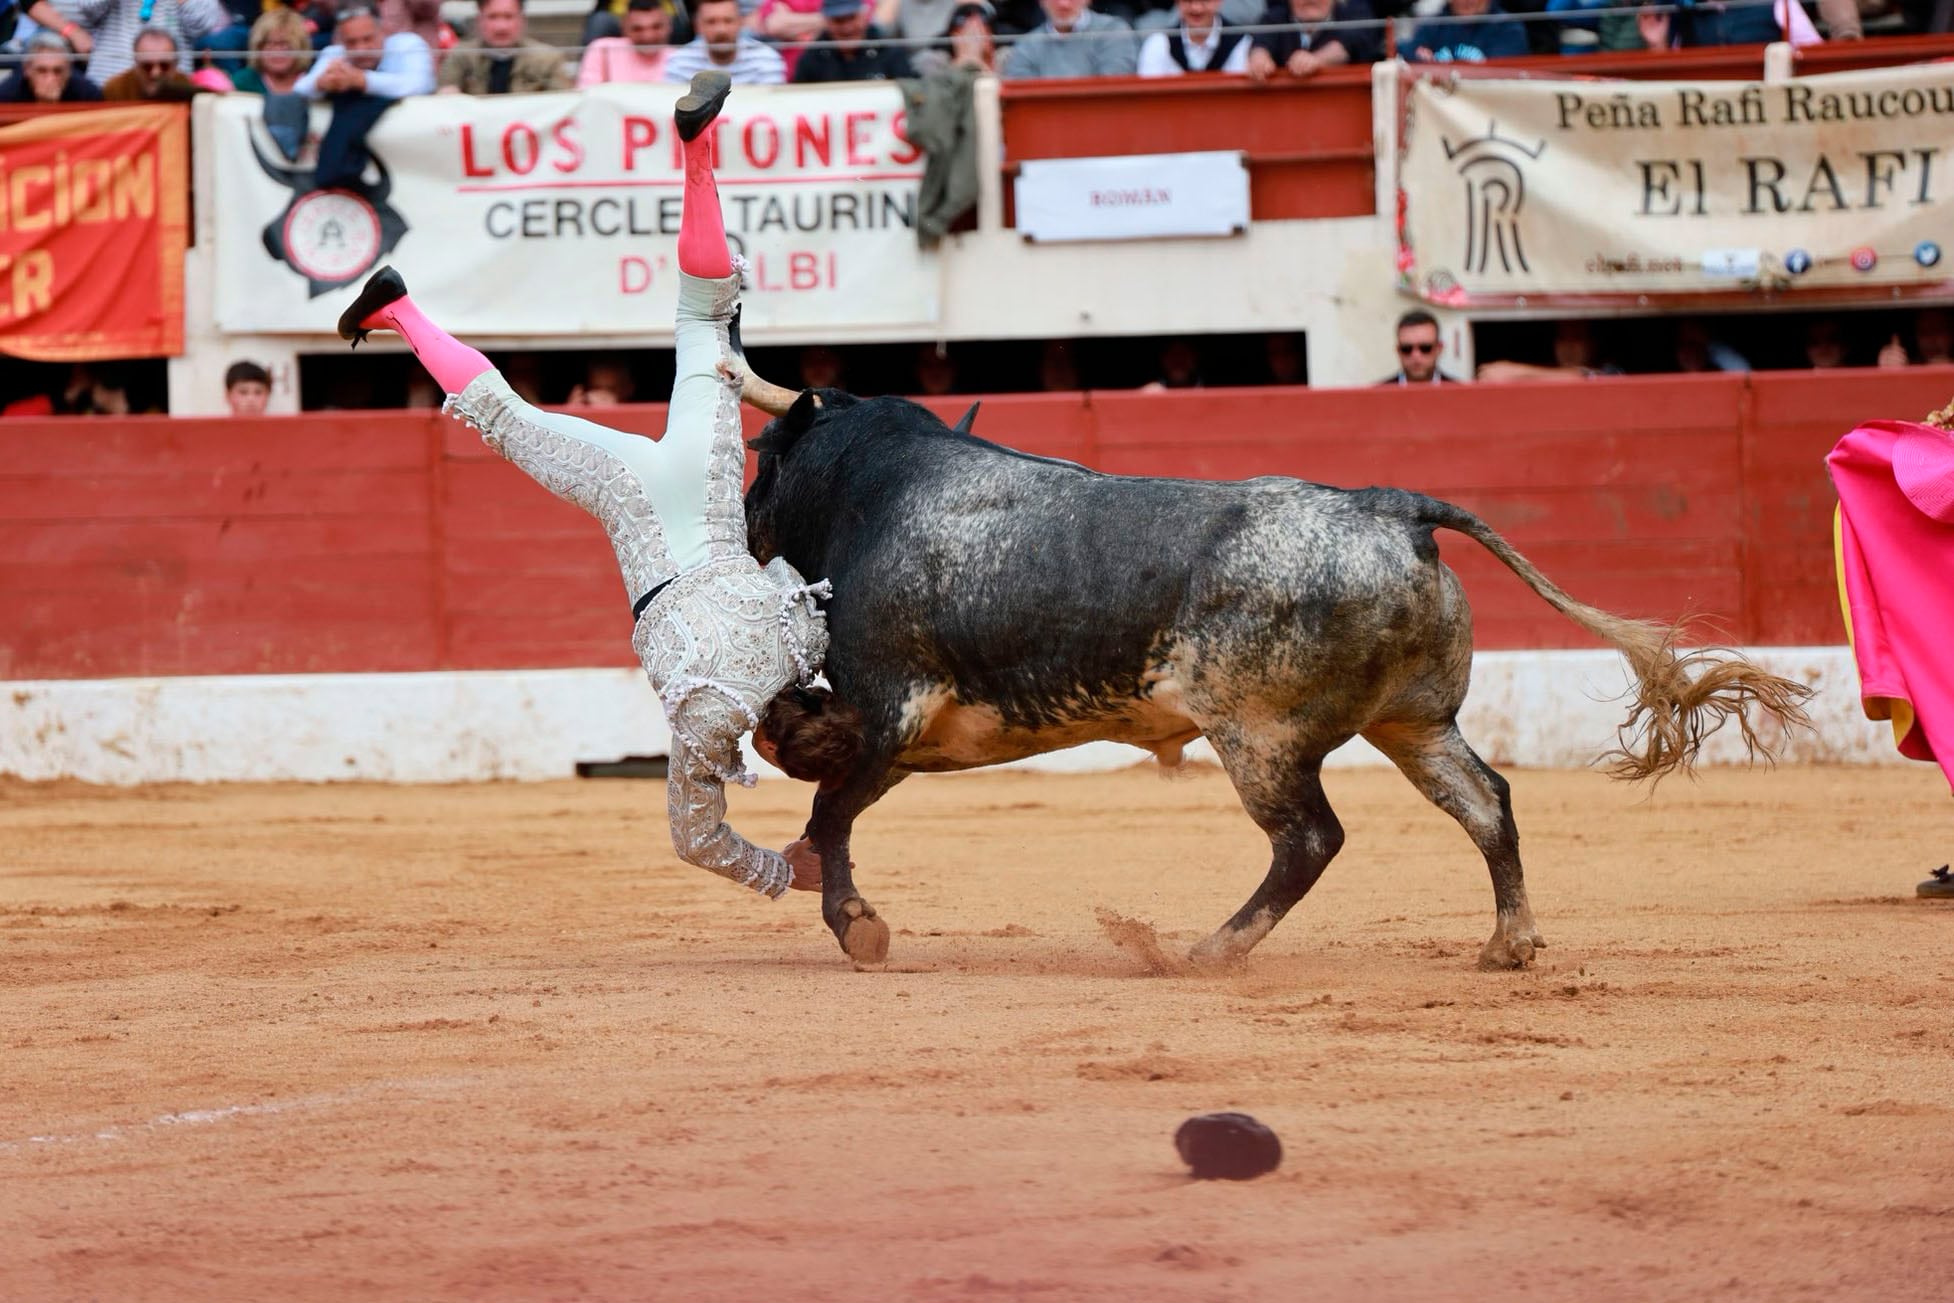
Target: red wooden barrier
pixel 396 541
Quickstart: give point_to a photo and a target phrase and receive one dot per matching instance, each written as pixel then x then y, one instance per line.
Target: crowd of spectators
pixel 265 46
pixel 363 59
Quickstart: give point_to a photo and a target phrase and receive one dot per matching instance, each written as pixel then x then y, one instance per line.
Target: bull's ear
pixel 967 420
pixel 800 417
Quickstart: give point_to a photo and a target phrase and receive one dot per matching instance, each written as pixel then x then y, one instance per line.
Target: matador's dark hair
pixel 817 734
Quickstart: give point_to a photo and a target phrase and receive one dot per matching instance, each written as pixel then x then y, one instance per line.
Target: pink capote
pixel 1895 540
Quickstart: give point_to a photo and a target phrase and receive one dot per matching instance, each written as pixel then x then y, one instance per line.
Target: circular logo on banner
pixel 1864 259
pixel 1797 262
pixel 332 235
pixel 1926 253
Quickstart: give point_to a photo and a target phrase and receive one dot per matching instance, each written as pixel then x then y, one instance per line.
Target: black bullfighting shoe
pixel 383 288
pixel 697 108
pixel 1938 887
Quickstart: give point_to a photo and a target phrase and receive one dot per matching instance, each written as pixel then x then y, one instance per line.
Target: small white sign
pixel 1133 197
pixel 1737 264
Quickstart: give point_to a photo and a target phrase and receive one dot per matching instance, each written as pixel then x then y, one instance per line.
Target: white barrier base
pixel 1547 709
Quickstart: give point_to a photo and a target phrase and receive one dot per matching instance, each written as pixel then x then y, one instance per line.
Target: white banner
pixel 559 214
pixel 1519 191
pixel 1133 197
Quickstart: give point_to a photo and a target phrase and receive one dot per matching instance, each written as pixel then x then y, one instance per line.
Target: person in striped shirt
pixel 111 26
pixel 721 45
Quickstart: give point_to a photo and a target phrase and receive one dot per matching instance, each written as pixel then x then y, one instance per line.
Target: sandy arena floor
pixel 494 1042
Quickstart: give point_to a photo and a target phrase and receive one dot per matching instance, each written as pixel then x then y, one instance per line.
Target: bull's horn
pixel 769 398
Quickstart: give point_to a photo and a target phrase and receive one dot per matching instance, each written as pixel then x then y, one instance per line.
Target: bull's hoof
pixel 1222 950
pixel 1510 950
pixel 864 937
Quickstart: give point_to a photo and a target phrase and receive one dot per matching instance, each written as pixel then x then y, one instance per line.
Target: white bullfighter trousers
pixel 721 637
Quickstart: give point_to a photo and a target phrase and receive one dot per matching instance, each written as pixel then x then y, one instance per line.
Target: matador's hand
pixel 806 864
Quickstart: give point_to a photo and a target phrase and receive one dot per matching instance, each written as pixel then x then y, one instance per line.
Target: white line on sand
pixel 206 1116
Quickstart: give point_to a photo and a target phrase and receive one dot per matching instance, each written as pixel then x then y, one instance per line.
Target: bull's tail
pixel 1681 698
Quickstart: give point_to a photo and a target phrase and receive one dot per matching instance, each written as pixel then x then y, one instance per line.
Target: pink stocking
pixel 701 229
pixel 452 363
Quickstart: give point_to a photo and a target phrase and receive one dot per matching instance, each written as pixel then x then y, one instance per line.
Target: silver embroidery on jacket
pixel 580 474
pixel 720 641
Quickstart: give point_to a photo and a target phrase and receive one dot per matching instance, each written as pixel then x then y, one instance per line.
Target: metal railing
pixel 1383 27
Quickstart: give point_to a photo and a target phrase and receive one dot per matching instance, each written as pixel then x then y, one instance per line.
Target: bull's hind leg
pixel 1452 776
pixel 1282 790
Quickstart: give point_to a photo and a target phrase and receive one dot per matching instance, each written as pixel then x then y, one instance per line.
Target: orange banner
pixel 92 228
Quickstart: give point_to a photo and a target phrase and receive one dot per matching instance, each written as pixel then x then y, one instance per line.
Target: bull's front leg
pixel 864 937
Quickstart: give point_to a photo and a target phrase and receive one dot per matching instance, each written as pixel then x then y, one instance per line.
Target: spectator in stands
pixel 1074 41
pixel 223 48
pixel 1575 356
pixel 789 25
pixel 821 368
pixel 421 17
pixel 607 383
pixel 1578 35
pixel 1824 344
pixel 722 44
pixel 1469 31
pixel 936 371
pixel 318 17
pixel 276 55
pixel 927 20
pixel 112 26
pixel 364 75
pixel 44 14
pixel 500 59
pixel 605 19
pixel 1284 360
pixel 1058 367
pixel 967 42
pixel 1419 351
pixel 155 76
pixel 524 372
pixel 1179 367
pixel 845 58
pixel 1933 341
pixel 100 390
pixel 247 388
pixel 1845 19
pixel 47 76
pixel 1203 42
pixel 1697 350
pixel 1743 22
pixel 638 55
pixel 422 393
pixel 1306 52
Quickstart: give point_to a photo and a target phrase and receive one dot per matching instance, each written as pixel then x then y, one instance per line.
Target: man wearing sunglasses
pixel 154 74
pixel 1418 351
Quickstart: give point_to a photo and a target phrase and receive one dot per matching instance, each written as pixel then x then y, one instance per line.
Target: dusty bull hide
pixel 990 605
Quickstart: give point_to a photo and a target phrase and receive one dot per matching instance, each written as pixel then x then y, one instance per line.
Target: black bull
pixel 990 605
